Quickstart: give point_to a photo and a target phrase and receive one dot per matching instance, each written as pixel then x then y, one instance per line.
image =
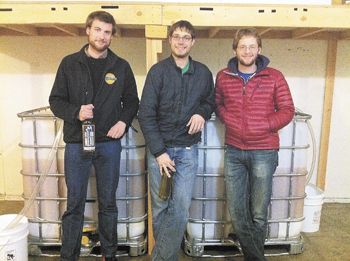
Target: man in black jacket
pixel 93 84
pixel 177 98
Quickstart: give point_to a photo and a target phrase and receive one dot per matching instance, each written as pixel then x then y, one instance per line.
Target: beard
pixel 246 64
pixel 98 46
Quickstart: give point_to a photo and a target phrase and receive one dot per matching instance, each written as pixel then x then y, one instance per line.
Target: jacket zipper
pixel 85 87
pixel 243 104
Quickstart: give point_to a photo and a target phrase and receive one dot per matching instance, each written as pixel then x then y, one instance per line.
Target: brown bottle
pixel 165 186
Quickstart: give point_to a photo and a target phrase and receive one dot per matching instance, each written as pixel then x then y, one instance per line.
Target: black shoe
pixel 113 258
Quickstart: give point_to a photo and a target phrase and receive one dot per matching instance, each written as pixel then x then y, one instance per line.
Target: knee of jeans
pixel 260 221
pixel 75 204
pixel 180 211
pixel 182 200
pixel 107 205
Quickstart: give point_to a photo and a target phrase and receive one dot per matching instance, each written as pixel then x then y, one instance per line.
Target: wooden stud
pixel 156 31
pixel 153 48
pixel 327 112
pixel 337 2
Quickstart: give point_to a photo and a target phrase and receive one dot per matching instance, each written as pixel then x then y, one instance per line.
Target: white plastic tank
pixel 131 194
pixel 294 143
pixel 38 132
pixel 39 128
pixel 208 215
pixel 209 220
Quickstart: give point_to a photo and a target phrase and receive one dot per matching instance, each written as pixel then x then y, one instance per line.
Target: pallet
pixel 134 247
pixel 230 248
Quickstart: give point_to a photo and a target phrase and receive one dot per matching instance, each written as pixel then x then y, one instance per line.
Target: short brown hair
pixel 102 16
pixel 182 24
pixel 246 32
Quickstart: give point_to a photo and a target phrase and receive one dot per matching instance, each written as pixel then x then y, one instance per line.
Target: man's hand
pixel 117 130
pixel 196 124
pixel 165 163
pixel 86 112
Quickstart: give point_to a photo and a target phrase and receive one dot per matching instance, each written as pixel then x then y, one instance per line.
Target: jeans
pixel 248 176
pixel 170 217
pixel 106 161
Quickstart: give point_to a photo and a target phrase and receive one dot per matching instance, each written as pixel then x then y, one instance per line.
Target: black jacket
pixel 116 99
pixel 169 99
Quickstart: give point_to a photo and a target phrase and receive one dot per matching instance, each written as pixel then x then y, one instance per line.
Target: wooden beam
pixel 265 15
pixel 327 112
pixel 156 31
pixel 25 29
pixel 135 33
pixel 303 33
pixel 76 13
pixel 263 31
pixel 118 32
pixel 153 48
pixel 337 2
pixel 213 31
pixel 345 35
pixel 68 29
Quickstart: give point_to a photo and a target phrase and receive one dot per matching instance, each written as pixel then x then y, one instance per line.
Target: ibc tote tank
pixel 38 131
pixel 209 221
pixel 39 128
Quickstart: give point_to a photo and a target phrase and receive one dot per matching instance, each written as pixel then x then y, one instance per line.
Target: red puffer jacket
pixel 254 111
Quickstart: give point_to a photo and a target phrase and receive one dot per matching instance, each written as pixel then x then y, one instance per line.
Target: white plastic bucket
pixel 312 208
pixel 13 241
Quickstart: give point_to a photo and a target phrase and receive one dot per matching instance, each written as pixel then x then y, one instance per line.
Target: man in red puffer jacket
pixel 254 102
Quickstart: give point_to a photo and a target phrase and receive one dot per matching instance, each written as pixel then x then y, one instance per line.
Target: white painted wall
pixel 28 66
pixel 27 71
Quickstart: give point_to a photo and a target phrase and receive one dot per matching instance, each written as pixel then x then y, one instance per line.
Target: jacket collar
pixel 190 69
pixel 111 56
pixel 261 63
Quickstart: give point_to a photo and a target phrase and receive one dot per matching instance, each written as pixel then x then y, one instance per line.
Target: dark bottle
pixel 88 131
pixel 165 186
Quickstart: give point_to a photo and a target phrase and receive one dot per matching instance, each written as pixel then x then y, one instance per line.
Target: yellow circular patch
pixel 110 78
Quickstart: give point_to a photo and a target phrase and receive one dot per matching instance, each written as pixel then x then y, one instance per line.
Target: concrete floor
pixel 331 242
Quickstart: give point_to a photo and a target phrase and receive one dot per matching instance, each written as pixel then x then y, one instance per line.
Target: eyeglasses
pixel 185 38
pixel 249 48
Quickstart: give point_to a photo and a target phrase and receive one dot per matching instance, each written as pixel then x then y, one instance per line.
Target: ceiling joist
pixel 304 33
pixel 345 35
pixel 263 31
pixel 29 30
pixel 213 31
pixel 68 29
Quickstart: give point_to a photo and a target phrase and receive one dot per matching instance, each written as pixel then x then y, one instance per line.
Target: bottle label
pixel 88 137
